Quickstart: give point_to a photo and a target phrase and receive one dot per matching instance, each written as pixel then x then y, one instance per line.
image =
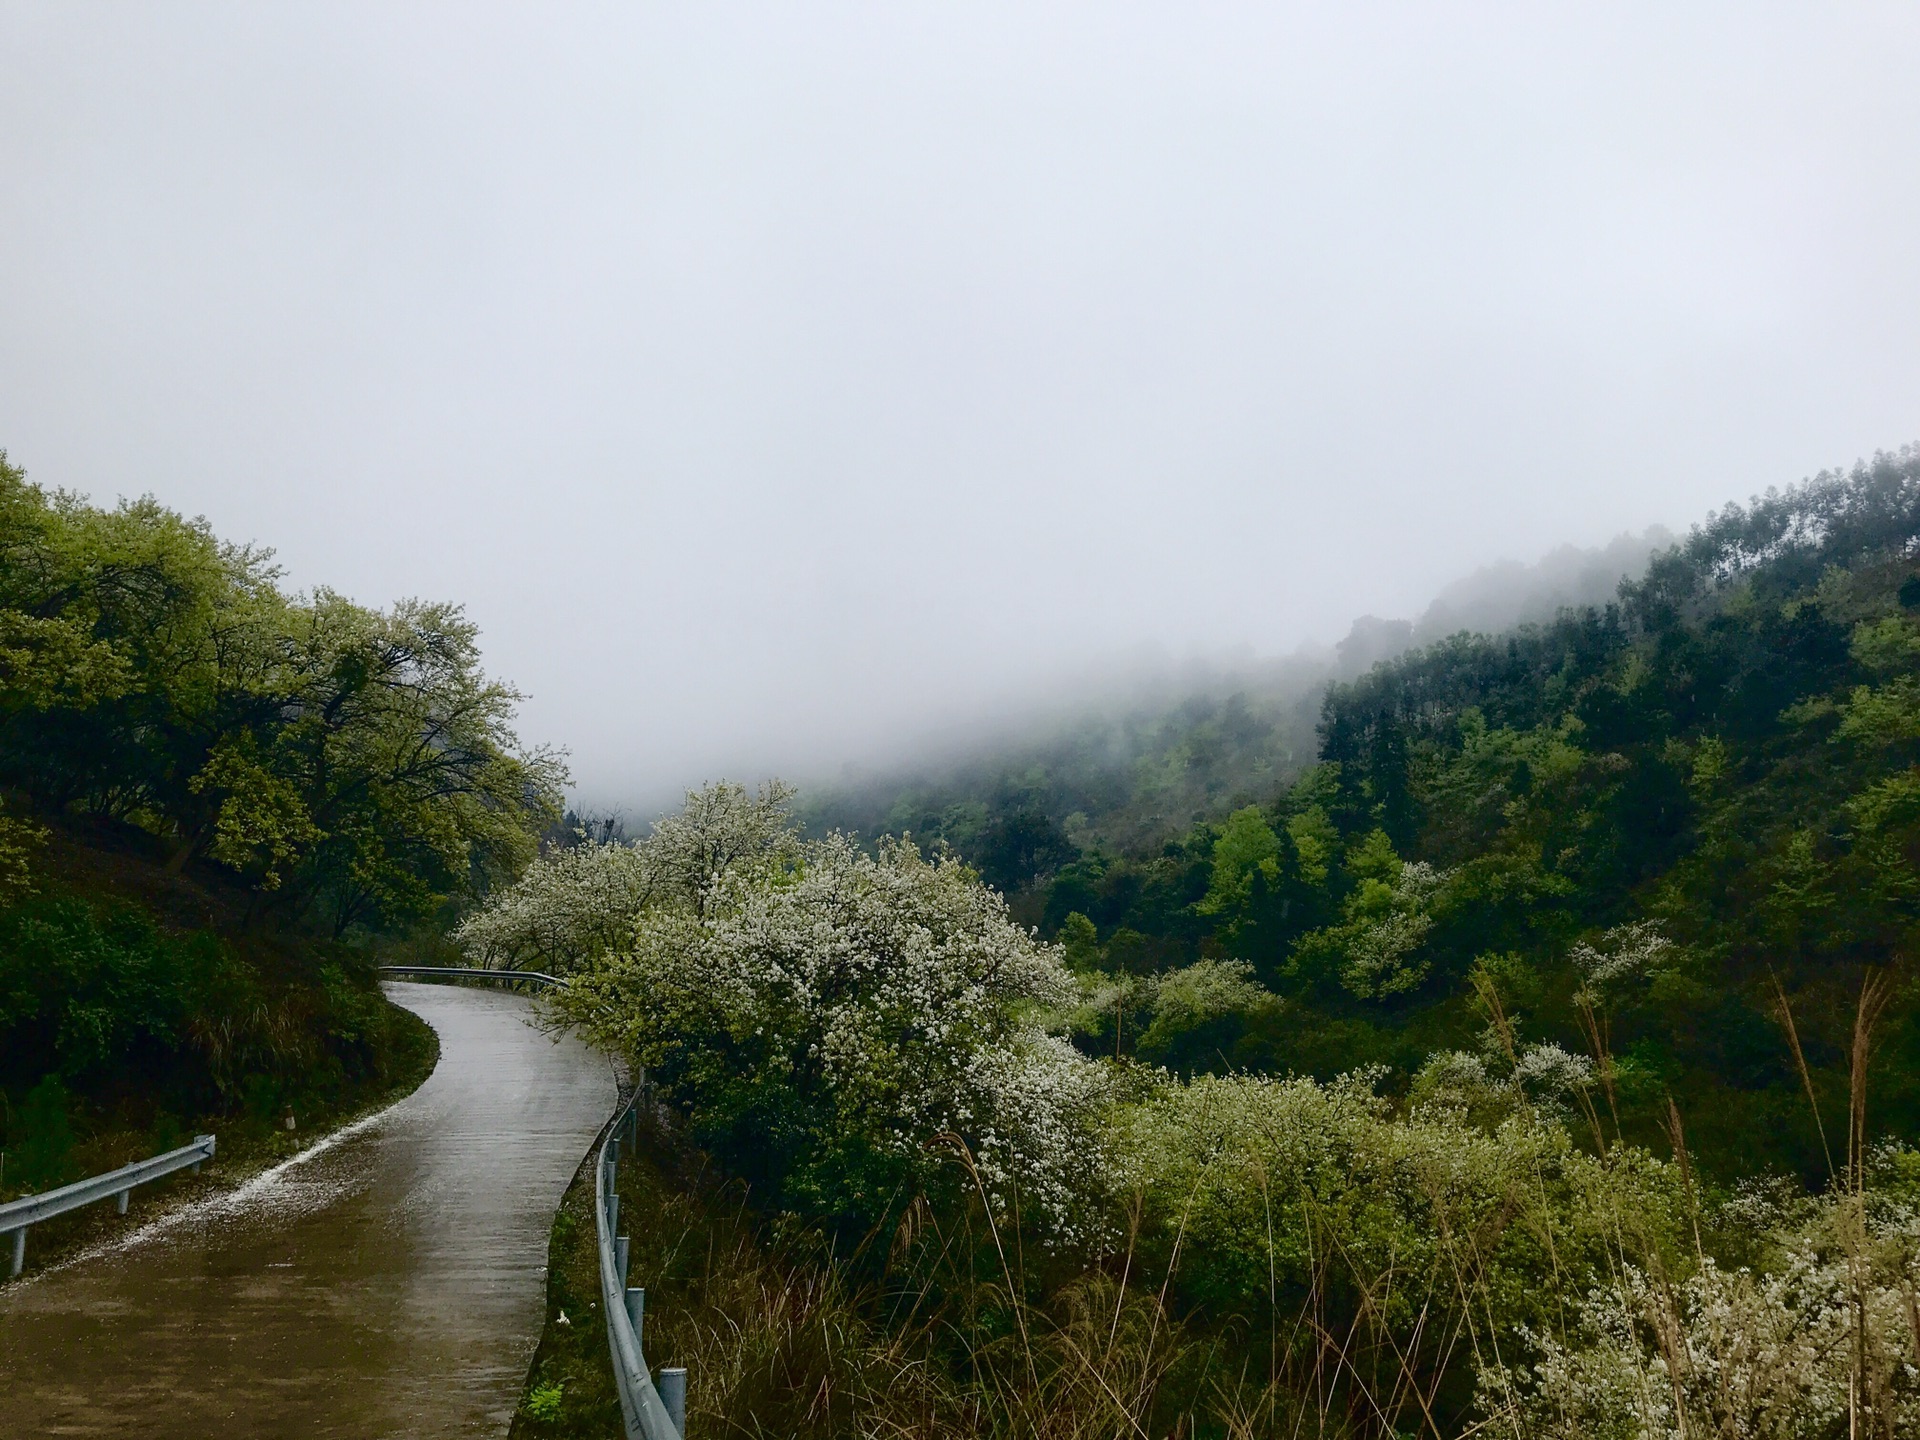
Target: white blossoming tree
pixel 842 1026
pixel 1377 951
pixel 1625 954
pixel 575 903
pixel 570 905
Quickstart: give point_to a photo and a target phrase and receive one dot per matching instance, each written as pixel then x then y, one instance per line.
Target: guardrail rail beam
pixel 463 972
pixel 17 1216
pixel 647 1412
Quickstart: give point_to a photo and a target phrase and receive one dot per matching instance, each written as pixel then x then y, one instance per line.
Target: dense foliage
pixel 1724 757
pixel 108 1021
pixel 213 794
pixel 349 764
pixel 870 1043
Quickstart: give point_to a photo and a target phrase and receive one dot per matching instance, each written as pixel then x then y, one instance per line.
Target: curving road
pixel 388 1282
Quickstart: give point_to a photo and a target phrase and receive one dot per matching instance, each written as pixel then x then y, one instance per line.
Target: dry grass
pixel 942 1328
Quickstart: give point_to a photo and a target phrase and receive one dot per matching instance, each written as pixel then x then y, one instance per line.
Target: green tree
pixel 356 764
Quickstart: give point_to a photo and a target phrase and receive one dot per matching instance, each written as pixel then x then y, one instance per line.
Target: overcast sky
pixel 770 379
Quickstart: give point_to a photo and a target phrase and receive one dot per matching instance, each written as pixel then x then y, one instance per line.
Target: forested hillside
pixel 1161 753
pixel 1654 826
pixel 1540 1062
pixel 1709 770
pixel 216 799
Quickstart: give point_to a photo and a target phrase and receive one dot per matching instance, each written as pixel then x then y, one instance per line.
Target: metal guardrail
pixel 458 972
pixel 647 1412
pixel 17 1215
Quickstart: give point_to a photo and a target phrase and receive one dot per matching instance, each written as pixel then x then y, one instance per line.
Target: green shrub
pixel 86 990
pixel 543 1402
pixel 41 1137
pixel 100 996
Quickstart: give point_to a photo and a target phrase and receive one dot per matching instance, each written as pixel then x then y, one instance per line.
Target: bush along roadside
pixel 784 1331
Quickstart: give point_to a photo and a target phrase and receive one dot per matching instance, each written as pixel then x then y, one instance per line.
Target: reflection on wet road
pixel 387 1283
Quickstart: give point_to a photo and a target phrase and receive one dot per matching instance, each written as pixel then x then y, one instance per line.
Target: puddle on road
pixel 388 1281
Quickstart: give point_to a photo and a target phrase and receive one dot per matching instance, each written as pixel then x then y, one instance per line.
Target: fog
pixel 780 385
pixel 1100 723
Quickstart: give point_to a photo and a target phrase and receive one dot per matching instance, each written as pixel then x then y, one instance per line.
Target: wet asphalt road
pixel 389 1282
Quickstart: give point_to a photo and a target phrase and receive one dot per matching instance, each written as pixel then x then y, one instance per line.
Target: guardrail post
pixel 621 1252
pixel 19 1250
pixel 637 1311
pixel 673 1395
pixel 613 1210
pixel 120 1200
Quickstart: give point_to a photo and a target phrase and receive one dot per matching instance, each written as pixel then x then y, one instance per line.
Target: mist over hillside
pixel 1504 594
pixel 1128 757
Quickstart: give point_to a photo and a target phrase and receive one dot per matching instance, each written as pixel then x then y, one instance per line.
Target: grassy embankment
pixel 756 1325
pixel 139 1008
pixel 784 1332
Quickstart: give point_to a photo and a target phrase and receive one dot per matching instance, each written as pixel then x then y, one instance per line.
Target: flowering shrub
pixel 827 1022
pixel 1819 1341
pixel 575 903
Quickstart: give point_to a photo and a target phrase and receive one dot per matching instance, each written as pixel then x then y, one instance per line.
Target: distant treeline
pixel 1118 782
pixel 1162 753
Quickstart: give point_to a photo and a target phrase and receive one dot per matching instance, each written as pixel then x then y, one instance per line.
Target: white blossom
pixel 569 906
pixel 1382 957
pixel 1546 1072
pixel 879 1002
pixel 578 902
pixel 1824 1332
pixel 1625 953
pixel 1543 1077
